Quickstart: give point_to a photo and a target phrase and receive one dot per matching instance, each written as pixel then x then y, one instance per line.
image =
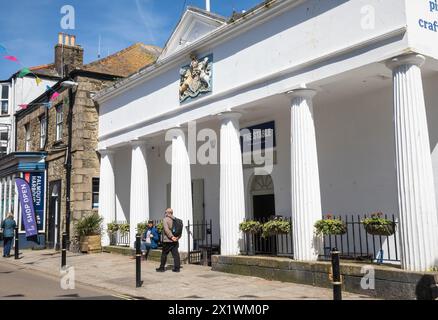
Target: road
pixel 19 283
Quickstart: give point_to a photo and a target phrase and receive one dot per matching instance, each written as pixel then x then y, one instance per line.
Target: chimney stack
pixel 68 55
pixel 207 5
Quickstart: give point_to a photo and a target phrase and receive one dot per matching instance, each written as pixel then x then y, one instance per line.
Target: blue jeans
pixel 7 245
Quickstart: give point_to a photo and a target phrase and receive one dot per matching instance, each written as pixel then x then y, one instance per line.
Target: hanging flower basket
pixel 276 227
pixel 330 227
pixel 251 227
pixel 378 226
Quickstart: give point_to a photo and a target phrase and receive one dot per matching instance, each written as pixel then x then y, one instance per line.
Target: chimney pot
pixel 67 40
pixel 73 41
pixel 60 38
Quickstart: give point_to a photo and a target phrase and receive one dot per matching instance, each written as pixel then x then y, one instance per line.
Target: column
pixel 181 186
pixel 416 190
pixel 16 208
pixel 107 192
pixel 306 196
pixel 139 208
pixel 232 198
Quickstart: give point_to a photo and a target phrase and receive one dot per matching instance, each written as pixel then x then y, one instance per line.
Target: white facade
pixel 353 147
pixel 21 91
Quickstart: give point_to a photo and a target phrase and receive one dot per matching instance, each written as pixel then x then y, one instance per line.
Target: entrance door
pixel 53 229
pixel 263 205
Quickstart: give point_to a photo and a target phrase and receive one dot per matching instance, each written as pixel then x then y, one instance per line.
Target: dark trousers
pixel 171 247
pixel 7 245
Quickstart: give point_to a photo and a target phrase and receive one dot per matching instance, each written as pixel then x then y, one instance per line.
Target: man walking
pixel 8 226
pixel 170 242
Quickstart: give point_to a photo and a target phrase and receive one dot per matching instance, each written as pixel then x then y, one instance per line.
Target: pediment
pixel 194 24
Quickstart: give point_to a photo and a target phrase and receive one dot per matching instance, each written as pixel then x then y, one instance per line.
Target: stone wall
pixel 390 282
pixel 85 159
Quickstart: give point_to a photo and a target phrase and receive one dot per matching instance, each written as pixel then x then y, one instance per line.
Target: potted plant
pixel 89 231
pixel 378 226
pixel 275 227
pixel 330 226
pixel 124 228
pixel 112 229
pixel 160 227
pixel 250 228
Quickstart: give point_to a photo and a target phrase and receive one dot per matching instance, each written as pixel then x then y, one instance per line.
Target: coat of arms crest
pixel 196 78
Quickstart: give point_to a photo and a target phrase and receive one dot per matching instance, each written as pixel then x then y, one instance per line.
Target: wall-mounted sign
pixel 258 137
pixel 196 78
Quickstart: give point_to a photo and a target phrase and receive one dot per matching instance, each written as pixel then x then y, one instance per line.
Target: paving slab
pixel 117 273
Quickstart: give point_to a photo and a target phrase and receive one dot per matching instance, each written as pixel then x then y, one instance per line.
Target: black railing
pixel 357 244
pixel 120 238
pixel 277 245
pixel 200 244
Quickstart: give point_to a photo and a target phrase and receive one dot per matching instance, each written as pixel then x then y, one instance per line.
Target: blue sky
pixel 29 29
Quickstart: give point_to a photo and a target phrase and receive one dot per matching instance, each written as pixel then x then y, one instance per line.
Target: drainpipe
pixel 68 163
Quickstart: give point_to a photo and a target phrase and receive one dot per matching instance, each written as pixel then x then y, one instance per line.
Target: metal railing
pixel 200 244
pixel 355 244
pixel 119 238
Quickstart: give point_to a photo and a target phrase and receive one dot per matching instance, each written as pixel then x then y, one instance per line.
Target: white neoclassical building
pixel 348 88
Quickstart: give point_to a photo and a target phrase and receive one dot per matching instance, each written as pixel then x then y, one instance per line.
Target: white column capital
pixel 177 131
pixel 304 93
pixel 229 115
pixel 407 59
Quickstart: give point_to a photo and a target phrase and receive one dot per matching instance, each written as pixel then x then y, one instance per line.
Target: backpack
pixel 177 227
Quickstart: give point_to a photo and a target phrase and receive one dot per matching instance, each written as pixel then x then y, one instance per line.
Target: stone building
pixel 70 122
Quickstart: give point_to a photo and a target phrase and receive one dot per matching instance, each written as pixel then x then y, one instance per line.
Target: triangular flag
pixel 11 58
pixel 2 48
pixel 23 106
pixel 54 96
pixel 48 88
pixel 48 105
pixel 38 81
pixel 24 72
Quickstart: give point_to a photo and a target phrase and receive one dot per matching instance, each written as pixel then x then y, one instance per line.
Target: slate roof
pixel 125 62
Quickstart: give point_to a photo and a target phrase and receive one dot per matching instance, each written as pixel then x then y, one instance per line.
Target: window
pixel 43 131
pixel 4 99
pixel 28 137
pixel 59 120
pixel 95 191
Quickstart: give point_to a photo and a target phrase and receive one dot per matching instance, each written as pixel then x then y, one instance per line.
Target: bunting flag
pixel 2 49
pixel 54 96
pixel 23 106
pixel 11 58
pixel 38 81
pixel 24 72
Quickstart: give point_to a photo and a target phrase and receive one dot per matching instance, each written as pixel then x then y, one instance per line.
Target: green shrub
pixel 142 227
pixel 112 227
pixel 160 227
pixel 124 228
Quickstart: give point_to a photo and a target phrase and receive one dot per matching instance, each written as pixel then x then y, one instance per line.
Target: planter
pixel 377 229
pixel 330 227
pixel 90 244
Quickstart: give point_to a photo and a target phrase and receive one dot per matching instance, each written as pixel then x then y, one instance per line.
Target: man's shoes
pixel 160 270
pixel 175 270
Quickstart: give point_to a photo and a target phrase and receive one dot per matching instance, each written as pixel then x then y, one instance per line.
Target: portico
pixel 352 128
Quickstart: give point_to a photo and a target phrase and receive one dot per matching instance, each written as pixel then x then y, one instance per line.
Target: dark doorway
pixel 54 218
pixel 264 209
pixel 264 206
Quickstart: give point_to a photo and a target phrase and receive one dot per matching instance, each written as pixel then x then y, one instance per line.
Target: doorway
pixel 263 209
pixel 54 219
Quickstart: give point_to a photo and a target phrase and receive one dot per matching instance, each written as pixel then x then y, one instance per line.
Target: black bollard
pixel 17 247
pixel 64 250
pixel 337 284
pixel 138 281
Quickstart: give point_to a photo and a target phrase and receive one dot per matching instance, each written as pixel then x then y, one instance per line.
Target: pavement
pixel 116 273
